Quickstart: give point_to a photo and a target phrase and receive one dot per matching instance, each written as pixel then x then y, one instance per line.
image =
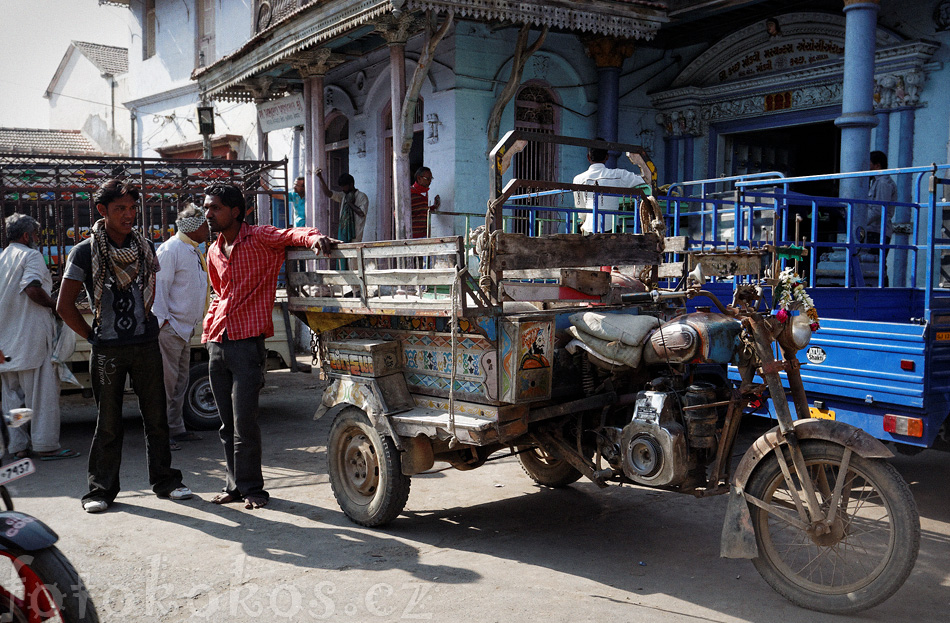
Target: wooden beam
pixel 517 251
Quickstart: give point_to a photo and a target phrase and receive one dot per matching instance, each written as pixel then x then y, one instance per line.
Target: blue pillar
pixel 673 159
pixel 608 102
pixel 905 158
pixel 857 100
pixel 608 54
pixel 687 159
pixel 883 131
pixel 905 152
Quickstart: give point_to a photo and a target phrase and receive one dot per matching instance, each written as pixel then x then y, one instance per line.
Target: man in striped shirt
pixel 243 264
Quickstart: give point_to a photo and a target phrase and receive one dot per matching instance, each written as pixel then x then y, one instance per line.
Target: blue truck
pixel 881 359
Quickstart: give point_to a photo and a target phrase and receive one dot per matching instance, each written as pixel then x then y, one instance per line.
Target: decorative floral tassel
pixel 790 290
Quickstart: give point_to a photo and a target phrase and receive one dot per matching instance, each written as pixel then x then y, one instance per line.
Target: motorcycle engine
pixel 654 445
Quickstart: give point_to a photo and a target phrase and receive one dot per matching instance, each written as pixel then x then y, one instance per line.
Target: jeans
pixel 109 366
pixel 236 372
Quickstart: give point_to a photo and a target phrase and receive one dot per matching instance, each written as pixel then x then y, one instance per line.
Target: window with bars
pixel 536 111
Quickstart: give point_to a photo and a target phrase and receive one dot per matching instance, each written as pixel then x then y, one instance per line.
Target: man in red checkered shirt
pixel 243 264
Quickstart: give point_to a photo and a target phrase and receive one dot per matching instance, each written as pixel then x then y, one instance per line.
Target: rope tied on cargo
pixel 454 330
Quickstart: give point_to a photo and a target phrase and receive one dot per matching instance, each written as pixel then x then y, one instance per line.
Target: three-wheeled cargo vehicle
pixel 582 372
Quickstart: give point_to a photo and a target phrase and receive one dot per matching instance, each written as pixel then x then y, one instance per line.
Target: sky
pixel 34 35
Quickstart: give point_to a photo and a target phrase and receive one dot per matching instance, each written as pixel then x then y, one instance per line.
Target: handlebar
pixel 655 296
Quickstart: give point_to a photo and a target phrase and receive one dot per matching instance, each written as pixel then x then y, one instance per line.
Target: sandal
pixel 189 436
pixel 62 453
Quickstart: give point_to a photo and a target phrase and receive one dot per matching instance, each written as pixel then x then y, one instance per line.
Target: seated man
pixel 599 175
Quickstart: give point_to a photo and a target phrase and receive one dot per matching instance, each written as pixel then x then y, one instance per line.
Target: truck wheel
pixel 365 471
pixel 199 411
pixel 869 550
pixel 544 469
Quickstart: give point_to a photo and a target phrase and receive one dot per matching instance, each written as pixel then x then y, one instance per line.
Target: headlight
pixel 798 331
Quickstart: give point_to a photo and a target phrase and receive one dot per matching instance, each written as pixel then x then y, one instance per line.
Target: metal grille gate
pixel 58 192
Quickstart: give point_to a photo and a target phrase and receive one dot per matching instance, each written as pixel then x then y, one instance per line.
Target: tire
pixel 870 550
pixel 544 469
pixel 199 409
pixel 48 585
pixel 365 471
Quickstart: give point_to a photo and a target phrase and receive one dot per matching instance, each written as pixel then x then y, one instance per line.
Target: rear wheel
pixel 43 585
pixel 365 470
pixel 862 558
pixel 544 469
pixel 199 410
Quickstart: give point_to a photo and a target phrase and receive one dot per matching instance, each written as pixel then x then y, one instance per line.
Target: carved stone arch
pixel 809 34
pixel 750 73
pixel 337 99
pixel 550 68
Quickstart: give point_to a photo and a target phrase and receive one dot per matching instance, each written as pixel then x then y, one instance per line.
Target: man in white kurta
pixel 181 297
pixel 599 175
pixel 26 337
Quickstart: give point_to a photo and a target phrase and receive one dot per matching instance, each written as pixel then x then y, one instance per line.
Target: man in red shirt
pixel 419 196
pixel 243 264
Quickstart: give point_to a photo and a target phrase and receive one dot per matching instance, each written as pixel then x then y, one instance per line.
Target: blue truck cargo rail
pixel 883 351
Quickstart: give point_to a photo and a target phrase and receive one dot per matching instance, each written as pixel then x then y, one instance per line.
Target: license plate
pixel 17 469
pixel 943 336
pixel 821 414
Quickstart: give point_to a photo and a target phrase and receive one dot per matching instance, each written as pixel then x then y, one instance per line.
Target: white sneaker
pixel 95 506
pixel 181 493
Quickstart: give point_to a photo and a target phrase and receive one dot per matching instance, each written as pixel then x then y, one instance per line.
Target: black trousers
pixel 109 367
pixel 236 372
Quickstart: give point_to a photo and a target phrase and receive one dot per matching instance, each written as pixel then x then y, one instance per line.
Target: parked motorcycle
pixel 37 583
pixel 827 522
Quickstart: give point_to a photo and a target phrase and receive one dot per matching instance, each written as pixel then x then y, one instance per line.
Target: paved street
pixel 476 546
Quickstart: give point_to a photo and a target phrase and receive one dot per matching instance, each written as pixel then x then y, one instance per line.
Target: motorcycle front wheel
pixel 867 553
pixel 42 585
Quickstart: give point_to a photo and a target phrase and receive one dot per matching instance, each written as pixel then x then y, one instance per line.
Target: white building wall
pixel 82 99
pixel 164 96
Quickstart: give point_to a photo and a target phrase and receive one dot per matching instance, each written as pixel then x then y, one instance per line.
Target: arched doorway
pixel 337 145
pixel 387 223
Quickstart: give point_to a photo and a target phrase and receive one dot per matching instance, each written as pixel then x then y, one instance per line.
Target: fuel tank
pixel 700 337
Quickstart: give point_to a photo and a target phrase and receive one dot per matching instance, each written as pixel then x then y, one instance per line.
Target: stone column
pixel 312 67
pixel 608 54
pixel 259 88
pixel 396 30
pixel 857 105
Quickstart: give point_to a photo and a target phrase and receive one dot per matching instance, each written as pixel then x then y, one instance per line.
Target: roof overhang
pixel 270 53
pixel 232 141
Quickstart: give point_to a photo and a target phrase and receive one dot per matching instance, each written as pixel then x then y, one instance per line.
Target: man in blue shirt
pixel 297 200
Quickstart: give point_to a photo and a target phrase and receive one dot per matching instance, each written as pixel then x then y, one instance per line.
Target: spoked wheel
pixel 365 470
pixel 42 586
pixel 544 469
pixel 858 561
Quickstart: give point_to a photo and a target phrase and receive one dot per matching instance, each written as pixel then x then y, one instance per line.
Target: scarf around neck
pixel 133 264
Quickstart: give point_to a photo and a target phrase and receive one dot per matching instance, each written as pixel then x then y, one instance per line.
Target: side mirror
pixel 696 276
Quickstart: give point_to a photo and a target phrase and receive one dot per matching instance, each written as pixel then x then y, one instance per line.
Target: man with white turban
pixel 181 298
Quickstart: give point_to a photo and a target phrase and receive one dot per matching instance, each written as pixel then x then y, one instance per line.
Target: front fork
pixel 809 509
